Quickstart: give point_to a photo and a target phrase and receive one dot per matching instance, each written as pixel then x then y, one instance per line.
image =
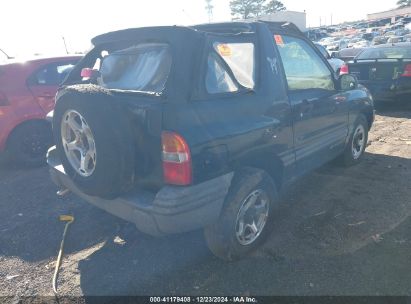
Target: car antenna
pixel 8 57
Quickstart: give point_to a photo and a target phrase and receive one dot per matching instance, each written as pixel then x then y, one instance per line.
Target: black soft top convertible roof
pixel 146 33
pixel 187 32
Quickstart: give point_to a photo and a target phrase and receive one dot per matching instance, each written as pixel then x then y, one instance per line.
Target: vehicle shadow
pixel 29 211
pixel 397 109
pixel 331 234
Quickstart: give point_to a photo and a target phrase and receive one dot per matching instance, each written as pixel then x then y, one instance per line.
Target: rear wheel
pixel 247 215
pixel 28 143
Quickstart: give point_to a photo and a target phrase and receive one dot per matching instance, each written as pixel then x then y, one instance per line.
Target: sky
pixel 28 27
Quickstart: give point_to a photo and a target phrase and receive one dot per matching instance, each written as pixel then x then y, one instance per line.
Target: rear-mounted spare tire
pixel 94 141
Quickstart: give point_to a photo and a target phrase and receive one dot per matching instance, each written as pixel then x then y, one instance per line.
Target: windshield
pixel 144 67
pixel 385 53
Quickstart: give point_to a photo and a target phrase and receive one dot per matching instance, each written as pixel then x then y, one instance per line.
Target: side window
pixel 230 67
pixel 217 79
pixel 52 74
pixel 303 67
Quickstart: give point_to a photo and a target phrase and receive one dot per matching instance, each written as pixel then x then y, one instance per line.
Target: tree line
pixel 403 3
pixel 244 9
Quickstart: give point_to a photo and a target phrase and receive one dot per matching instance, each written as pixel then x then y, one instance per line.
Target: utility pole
pixel 8 57
pixel 65 45
pixel 209 8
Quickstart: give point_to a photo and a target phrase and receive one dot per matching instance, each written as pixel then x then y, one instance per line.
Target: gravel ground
pixel 339 232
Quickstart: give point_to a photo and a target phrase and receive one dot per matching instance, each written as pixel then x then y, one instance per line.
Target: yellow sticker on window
pixel 224 50
pixel 279 40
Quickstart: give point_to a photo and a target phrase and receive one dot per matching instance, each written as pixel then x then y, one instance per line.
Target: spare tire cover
pixel 94 141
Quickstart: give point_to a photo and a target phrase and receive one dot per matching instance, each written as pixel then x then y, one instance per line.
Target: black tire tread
pixel 219 237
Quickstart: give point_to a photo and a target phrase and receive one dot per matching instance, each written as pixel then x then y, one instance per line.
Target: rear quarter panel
pixel 22 106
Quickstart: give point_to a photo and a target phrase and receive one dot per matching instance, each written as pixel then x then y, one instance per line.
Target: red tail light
pixel 344 69
pixel 407 71
pixel 3 100
pixel 176 159
pixel 88 73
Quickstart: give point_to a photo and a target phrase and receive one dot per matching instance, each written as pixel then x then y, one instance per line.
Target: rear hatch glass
pixel 144 67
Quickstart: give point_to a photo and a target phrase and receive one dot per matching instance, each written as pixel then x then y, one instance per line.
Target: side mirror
pixel 347 82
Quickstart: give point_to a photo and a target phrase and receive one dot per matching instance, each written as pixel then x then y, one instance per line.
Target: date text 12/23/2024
pixel 240 299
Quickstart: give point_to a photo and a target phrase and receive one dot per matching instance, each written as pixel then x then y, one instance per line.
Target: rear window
pixel 144 67
pixel 52 74
pixel 386 53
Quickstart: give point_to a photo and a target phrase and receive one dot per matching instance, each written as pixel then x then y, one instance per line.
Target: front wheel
pixel 354 151
pixel 246 217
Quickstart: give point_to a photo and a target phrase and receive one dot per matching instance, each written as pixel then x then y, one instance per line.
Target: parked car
pixel 353 41
pixel 337 45
pixel 397 39
pixel 27 91
pixel 369 36
pixel 347 54
pixel 328 40
pixel 181 128
pixel 385 70
pixel 379 40
pixel 362 44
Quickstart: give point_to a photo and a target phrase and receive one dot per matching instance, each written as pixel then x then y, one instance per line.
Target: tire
pixel 29 142
pixel 106 136
pixel 222 237
pixel 349 157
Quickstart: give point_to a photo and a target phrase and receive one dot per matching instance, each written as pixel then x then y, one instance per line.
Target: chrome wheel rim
pixel 252 217
pixel 78 143
pixel 358 142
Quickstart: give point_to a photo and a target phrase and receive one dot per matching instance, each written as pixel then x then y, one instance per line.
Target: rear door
pixel 320 114
pixel 44 82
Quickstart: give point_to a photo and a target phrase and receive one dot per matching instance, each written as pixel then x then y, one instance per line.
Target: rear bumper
pixel 389 90
pixel 171 210
pixel 381 90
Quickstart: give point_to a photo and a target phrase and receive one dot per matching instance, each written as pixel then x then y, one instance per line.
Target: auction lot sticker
pixel 224 50
pixel 279 40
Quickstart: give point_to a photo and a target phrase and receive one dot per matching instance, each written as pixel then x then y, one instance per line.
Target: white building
pixel 391 14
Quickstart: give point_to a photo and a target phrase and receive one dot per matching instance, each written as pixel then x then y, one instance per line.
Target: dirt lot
pixel 339 232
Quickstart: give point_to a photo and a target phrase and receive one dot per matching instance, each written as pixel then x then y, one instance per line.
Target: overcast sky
pixel 28 27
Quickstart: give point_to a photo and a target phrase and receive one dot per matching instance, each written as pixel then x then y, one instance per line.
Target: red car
pixel 27 91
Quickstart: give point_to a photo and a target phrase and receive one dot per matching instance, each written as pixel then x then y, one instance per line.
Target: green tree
pixel 253 8
pixel 403 3
pixel 274 6
pixel 246 8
